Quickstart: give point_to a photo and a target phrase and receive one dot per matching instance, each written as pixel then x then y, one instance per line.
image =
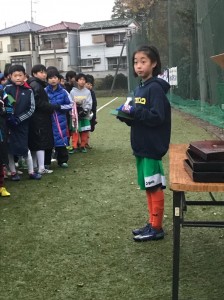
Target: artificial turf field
pixel 68 236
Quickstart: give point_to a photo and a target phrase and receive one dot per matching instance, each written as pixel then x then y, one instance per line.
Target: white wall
pixel 5 55
pixel 90 50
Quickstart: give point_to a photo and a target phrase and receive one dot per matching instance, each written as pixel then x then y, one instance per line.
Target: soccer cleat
pixel 4 192
pixel 83 150
pixel 69 148
pixel 149 234
pixel 45 171
pixel 36 176
pixel 64 165
pixel 15 177
pixel 141 230
pixel 73 150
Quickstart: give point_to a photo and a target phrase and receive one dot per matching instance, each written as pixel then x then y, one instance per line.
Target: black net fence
pixel 189 36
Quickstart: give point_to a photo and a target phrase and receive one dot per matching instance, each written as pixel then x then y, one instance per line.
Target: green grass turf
pixel 68 236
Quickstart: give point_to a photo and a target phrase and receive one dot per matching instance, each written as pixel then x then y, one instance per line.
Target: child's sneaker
pixel 69 148
pixel 4 192
pixel 64 165
pixel 141 230
pixel 15 177
pixel 36 176
pixel 45 171
pixel 73 150
pixel 149 234
pixel 83 150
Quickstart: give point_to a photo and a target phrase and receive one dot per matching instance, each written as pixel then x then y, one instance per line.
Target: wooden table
pixel 180 182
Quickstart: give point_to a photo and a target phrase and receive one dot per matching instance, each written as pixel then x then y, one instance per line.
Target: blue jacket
pixel 151 127
pixel 59 120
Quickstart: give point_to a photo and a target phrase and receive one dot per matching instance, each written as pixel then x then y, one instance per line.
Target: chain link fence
pixel 191 33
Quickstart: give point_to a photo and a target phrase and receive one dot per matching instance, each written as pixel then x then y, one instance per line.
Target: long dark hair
pixel 153 54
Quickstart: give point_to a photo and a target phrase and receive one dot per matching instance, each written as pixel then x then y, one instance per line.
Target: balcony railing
pixel 52 46
pixel 15 48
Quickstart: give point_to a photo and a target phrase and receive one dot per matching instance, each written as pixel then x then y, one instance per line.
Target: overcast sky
pixel 50 12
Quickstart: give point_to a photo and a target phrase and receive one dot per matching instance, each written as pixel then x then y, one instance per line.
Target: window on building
pixel 56 62
pixel 22 45
pixel 118 39
pixel 114 39
pixel 114 61
pixel 98 38
pixel 19 61
pixel 86 63
pixel 47 45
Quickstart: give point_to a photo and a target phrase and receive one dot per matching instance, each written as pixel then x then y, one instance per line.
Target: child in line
pixel 3 80
pixel 59 96
pixel 21 101
pixel 3 145
pixel 41 140
pixel 70 82
pixel 93 122
pixel 83 100
pixel 150 136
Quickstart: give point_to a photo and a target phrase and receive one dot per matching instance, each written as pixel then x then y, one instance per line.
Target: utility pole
pixel 31 10
pixel 32 2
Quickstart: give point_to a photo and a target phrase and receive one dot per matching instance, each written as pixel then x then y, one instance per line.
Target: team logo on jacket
pixel 140 100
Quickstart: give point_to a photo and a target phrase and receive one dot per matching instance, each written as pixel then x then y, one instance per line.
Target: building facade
pixel 103 46
pixel 97 48
pixel 19 45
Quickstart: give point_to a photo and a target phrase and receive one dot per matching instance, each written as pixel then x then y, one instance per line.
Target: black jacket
pixel 40 130
pixel 23 108
pixel 151 127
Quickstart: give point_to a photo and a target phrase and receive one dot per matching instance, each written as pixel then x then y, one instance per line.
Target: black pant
pixel 62 155
pixel 47 157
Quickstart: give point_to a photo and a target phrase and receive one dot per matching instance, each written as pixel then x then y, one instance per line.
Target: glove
pixel 56 107
pixel 13 121
pixel 82 113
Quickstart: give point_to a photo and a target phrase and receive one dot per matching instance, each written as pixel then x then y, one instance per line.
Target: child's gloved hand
pixel 13 121
pixel 82 113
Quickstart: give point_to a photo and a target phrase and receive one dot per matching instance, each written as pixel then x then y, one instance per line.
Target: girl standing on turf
pixel 150 136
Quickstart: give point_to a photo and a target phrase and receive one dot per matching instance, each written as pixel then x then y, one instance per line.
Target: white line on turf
pixel 107 104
